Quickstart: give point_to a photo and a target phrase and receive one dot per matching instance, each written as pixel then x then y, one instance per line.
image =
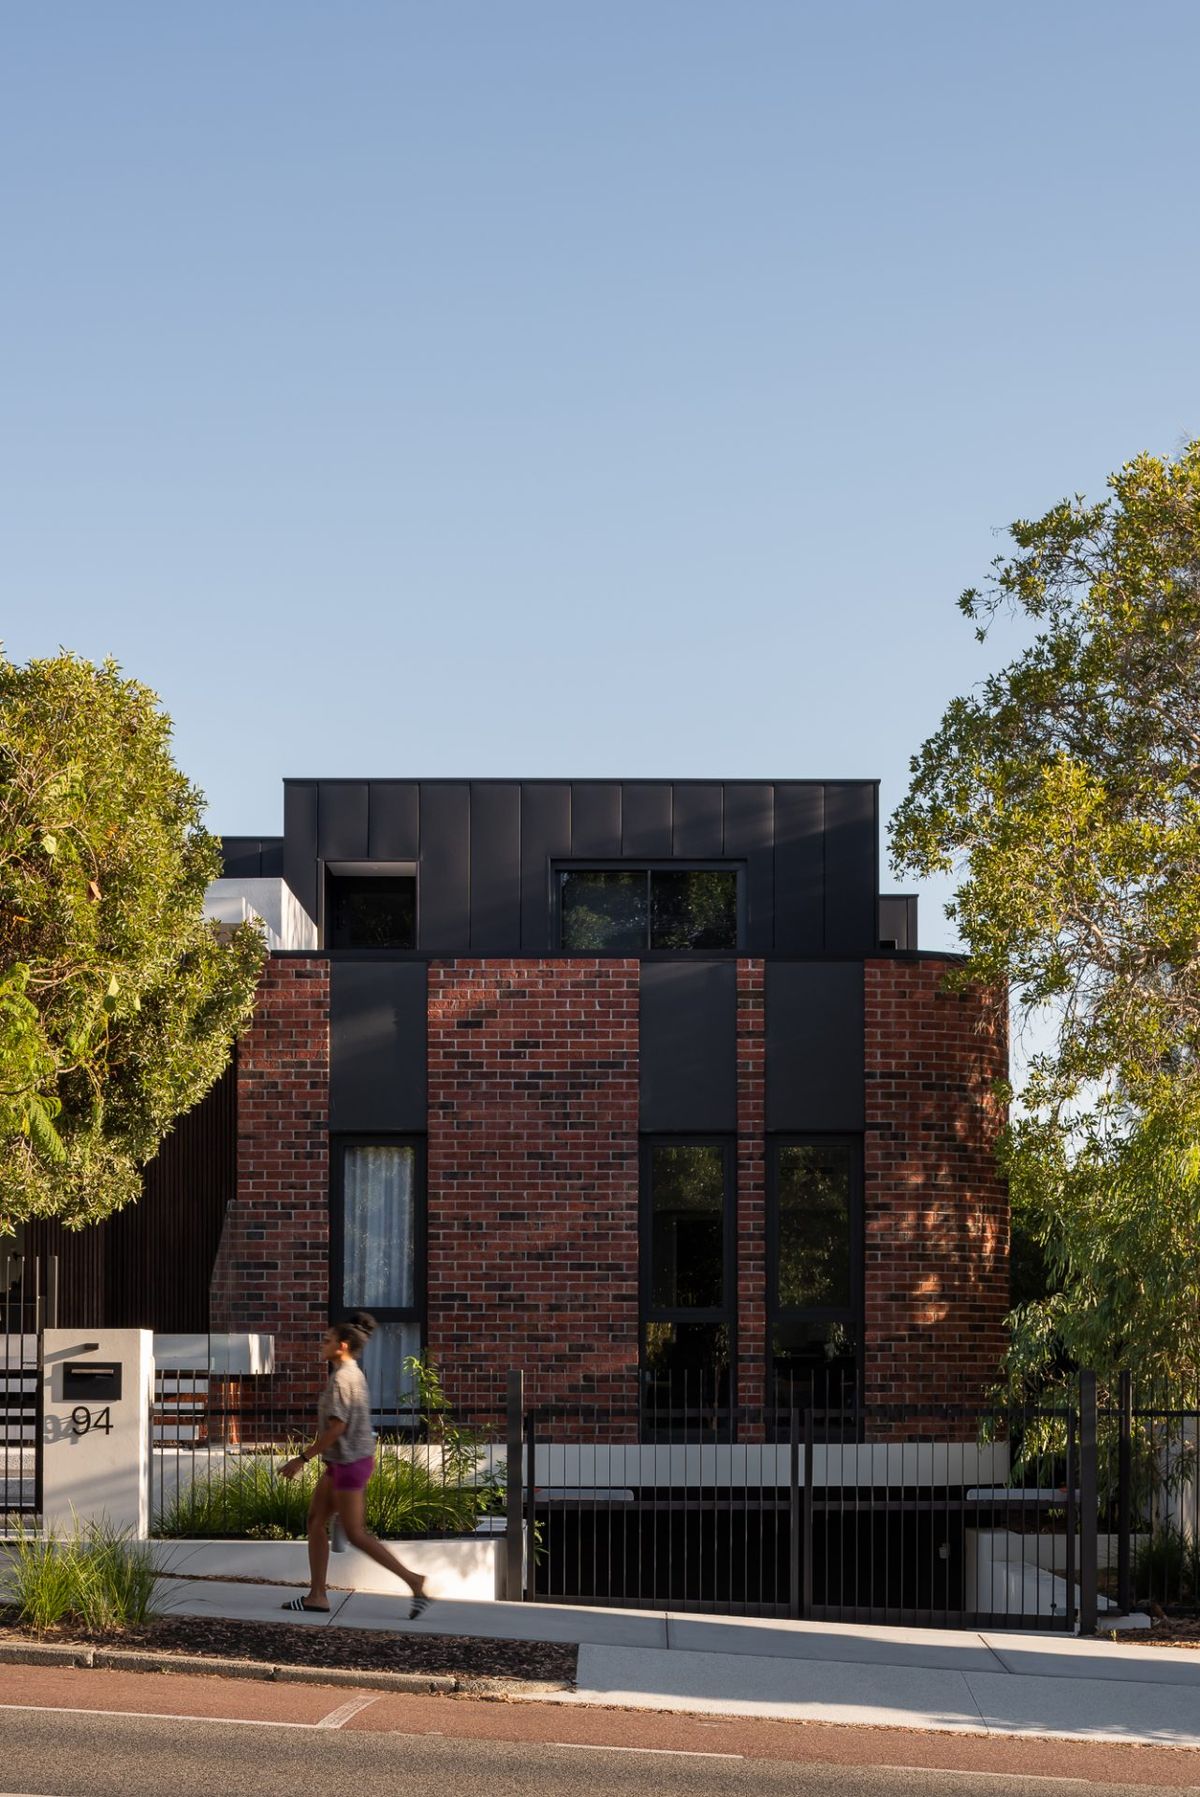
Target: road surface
pixel 78 1733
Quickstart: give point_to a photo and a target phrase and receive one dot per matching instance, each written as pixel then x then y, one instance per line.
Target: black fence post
pixel 514 1532
pixel 529 1589
pixel 806 1520
pixel 1125 1492
pixel 794 1513
pixel 1088 1504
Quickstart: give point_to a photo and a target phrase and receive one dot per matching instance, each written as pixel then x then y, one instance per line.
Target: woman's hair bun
pixel 357 1330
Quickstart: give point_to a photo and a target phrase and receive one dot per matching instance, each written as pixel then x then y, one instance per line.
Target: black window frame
pixel 852 1314
pixel 417 1311
pixel 366 870
pixel 648 1312
pixel 659 865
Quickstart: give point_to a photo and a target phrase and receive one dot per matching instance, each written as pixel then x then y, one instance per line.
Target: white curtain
pixel 379 1233
pixel 379 1244
pixel 383 1363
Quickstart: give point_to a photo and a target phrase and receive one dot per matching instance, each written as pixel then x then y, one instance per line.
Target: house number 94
pixel 85 1421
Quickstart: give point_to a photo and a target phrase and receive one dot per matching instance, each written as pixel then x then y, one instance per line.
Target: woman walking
pixel 345 1441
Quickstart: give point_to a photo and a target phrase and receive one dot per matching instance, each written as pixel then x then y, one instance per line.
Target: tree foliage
pixel 1065 795
pixel 118 1001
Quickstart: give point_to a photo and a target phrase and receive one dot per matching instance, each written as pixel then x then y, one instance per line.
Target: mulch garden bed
pixel 1164 1631
pixel 353 1650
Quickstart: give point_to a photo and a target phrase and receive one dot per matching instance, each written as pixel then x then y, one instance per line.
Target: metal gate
pixel 26 1305
pixel 852 1513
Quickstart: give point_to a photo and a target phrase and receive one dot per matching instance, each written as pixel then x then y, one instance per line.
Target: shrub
pixel 98 1577
pixel 1166 1568
pixel 247 1500
pixel 250 1501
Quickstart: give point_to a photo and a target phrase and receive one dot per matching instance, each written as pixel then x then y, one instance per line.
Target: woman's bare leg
pixel 319 1512
pixel 350 1506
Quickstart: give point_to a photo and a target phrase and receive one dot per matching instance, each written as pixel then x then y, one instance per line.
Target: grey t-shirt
pixel 346 1399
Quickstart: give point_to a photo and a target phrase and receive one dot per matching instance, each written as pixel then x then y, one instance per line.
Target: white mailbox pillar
pixel 98 1389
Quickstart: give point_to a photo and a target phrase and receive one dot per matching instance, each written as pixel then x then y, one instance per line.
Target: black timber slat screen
pixel 150 1266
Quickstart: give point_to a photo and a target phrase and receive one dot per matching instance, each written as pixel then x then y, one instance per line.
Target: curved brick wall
pixel 936 1276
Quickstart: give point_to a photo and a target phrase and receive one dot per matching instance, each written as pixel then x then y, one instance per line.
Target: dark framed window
pixel 688 1281
pixel 619 910
pixel 377 1256
pixel 371 911
pixel 815 1251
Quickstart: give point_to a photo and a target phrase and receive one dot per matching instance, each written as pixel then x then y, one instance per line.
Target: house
pixel 639 1086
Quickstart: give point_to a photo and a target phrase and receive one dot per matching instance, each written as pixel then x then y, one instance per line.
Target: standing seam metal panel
pixel 444 894
pixel 495 868
pixel 799 869
pixel 750 833
pixel 545 837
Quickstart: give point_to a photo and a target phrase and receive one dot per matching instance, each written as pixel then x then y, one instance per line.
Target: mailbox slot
pixel 91 1381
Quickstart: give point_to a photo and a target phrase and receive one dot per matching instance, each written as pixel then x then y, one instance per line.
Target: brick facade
pixel 533 1179
pixel 532 1184
pixel 272 1268
pixel 936 1225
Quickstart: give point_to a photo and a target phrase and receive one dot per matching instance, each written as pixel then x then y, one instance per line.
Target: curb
pixel 117 1659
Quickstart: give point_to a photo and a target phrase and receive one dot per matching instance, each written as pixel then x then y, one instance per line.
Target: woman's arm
pixel 324 1440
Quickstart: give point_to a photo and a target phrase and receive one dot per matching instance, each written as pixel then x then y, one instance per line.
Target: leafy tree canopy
pixel 1065 795
pixel 118 1001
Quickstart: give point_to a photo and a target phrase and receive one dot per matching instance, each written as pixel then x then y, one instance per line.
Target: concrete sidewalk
pixel 1013 1684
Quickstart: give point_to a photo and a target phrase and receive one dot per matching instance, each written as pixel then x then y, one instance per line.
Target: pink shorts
pixel 351 1475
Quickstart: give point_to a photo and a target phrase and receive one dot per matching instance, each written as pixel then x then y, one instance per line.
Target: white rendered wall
pixel 272 900
pixel 101 1472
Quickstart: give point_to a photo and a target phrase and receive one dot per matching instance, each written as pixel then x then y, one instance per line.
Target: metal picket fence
pixel 28 1298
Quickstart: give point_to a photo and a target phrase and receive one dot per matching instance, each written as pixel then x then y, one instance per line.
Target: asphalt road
pixel 67 1733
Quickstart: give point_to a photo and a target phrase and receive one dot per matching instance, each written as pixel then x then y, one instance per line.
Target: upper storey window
pixel 631 910
pixel 371 911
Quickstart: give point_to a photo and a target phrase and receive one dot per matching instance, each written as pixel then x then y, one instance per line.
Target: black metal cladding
pixel 377 1046
pixel 807 850
pixel 898 920
pixel 688 1046
pixel 814 1062
pixel 252 857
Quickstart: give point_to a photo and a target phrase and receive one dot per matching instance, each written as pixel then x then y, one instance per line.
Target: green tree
pixel 1064 794
pixel 118 1001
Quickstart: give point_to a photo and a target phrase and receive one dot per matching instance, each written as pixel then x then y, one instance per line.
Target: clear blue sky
pixel 550 388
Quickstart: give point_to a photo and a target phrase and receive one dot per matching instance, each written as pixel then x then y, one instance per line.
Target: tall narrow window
pixel 816 1304
pixel 376 1261
pixel 687 1278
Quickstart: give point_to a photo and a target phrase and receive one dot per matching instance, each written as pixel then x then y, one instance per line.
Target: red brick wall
pixel 272 1270
pixel 533 1179
pixel 751 1186
pixel 936 1207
